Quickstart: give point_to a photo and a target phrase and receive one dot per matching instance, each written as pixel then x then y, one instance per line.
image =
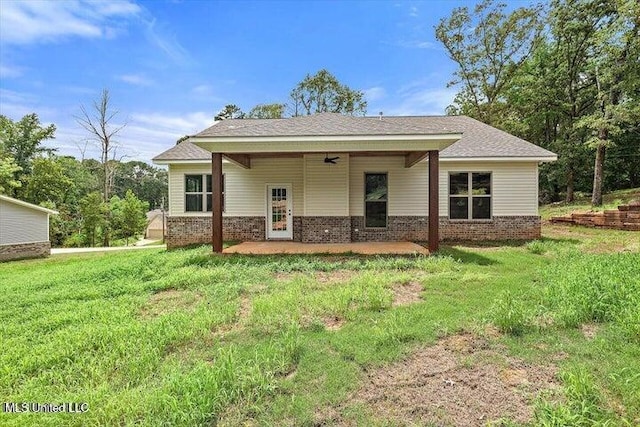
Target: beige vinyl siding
pixel 408 188
pixel 326 186
pixel 514 186
pixel 245 189
pixel 20 224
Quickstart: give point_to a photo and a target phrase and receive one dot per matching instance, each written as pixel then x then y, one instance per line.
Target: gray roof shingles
pixel 478 139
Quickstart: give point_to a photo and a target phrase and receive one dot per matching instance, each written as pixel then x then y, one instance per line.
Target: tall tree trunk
pixel 596 197
pixel 570 184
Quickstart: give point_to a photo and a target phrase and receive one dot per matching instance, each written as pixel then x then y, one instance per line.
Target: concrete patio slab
pixel 364 248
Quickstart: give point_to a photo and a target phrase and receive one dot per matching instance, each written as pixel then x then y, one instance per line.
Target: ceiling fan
pixel 331 160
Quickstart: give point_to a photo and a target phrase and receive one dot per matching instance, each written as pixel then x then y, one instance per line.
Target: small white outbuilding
pixel 24 229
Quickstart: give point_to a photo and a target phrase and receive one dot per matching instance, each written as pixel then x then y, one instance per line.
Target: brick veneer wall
pixel 190 230
pixel 182 230
pixel 326 229
pixel 498 228
pixel 25 250
pixel 399 228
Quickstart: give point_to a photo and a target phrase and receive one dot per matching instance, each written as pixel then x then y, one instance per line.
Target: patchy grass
pixel 583 203
pixel 186 338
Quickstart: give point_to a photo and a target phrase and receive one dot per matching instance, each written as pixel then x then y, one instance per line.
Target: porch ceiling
pixel 244 159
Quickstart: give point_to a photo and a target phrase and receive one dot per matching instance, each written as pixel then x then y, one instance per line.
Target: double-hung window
pixel 198 190
pixel 375 200
pixel 470 195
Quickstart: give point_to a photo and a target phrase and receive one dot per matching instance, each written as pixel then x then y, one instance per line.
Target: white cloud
pixel 374 93
pixel 417 44
pixel 26 22
pixel 136 79
pixel 7 71
pixel 413 11
pixel 168 44
pixel 417 99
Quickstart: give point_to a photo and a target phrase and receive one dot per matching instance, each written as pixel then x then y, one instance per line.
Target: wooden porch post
pixel 433 201
pixel 216 202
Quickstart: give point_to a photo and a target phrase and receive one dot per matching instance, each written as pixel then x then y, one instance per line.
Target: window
pixel 470 195
pixel 375 200
pixel 198 197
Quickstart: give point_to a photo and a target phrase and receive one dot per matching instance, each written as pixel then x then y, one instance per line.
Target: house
pixel 336 178
pixel 156 225
pixel 24 229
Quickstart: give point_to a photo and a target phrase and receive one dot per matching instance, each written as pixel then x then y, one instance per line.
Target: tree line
pixel 88 215
pixel 565 76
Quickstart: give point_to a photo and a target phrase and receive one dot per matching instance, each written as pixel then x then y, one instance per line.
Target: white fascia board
pixel 186 162
pixel 28 205
pixel 333 144
pixel 329 138
pixel 499 159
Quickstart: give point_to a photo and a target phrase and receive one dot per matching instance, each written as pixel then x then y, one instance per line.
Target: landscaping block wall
pixel 626 217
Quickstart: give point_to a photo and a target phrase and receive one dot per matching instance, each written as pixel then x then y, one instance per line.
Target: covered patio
pixel 361 248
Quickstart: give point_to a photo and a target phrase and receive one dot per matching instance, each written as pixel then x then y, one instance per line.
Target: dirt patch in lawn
pixel 407 293
pixel 168 301
pixel 333 323
pixel 460 381
pixel 322 277
pixel 589 330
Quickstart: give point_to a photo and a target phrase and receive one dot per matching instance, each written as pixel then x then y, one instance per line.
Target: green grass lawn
pixel 185 338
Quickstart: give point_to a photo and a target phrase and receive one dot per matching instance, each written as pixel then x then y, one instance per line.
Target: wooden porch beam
pixel 216 202
pixel 414 157
pixel 242 160
pixel 434 237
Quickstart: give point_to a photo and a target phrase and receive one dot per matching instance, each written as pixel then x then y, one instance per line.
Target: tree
pixel 489 47
pixel 230 111
pixel 322 93
pixel 148 183
pixel 8 171
pixel 102 132
pixel 267 111
pixel 129 215
pixel 48 182
pixel 614 67
pixel 93 212
pixel 20 143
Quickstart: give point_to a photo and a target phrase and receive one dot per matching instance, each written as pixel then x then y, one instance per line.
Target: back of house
pixel 336 178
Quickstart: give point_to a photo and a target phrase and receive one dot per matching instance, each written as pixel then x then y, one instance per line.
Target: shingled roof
pixel 478 139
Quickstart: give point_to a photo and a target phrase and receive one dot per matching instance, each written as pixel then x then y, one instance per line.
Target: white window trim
pixel 470 196
pixel 204 193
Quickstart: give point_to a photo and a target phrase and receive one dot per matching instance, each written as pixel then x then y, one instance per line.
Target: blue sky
pixel 171 66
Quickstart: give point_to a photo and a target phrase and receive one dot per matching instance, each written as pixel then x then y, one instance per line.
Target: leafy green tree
pixel 93 212
pixel 22 141
pixel 230 111
pixel 48 182
pixel 128 215
pixel 322 93
pixel 615 69
pixel 8 172
pixel 489 47
pixel 147 182
pixel 267 111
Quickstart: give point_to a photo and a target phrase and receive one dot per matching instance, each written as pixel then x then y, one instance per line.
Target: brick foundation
pixel 326 229
pixel 399 228
pixel 498 228
pixel 183 231
pixel 25 250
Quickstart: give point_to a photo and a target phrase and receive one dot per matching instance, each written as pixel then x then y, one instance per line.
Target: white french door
pixel 279 215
